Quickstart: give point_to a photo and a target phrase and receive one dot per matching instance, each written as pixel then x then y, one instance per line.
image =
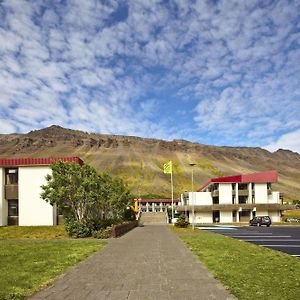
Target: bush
pixel 103 233
pixel 181 222
pixel 76 229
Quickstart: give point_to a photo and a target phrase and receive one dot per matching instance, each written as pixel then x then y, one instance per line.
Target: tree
pixel 88 201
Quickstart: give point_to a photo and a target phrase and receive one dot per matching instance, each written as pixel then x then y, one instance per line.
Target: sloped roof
pixel 260 177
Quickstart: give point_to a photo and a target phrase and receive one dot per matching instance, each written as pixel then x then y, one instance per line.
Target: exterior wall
pixel 274 197
pixel 200 198
pixel 201 217
pixel 226 216
pixel 261 193
pixel 32 209
pixel 261 213
pixel 3 202
pixel 225 193
pixel 275 216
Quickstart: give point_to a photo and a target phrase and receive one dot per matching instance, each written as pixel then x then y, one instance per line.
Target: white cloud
pixel 289 140
pixel 228 69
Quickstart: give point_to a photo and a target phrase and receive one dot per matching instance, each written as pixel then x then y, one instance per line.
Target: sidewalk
pixel 147 263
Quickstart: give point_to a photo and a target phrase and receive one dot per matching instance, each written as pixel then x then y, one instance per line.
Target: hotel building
pixel 20 190
pixel 234 199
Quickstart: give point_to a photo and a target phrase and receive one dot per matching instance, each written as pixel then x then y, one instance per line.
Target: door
pixel 216 216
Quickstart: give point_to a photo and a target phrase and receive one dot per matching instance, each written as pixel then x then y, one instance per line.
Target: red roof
pixel 261 177
pixel 15 162
pixel 157 200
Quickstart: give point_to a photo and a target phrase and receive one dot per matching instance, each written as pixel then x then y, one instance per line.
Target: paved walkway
pixel 147 263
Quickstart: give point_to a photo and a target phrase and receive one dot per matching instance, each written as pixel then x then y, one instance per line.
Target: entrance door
pixel 216 216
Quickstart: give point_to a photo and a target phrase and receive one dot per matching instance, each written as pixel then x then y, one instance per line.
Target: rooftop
pixel 18 162
pixel 260 177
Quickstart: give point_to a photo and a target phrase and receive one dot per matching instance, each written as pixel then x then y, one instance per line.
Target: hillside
pixel 139 160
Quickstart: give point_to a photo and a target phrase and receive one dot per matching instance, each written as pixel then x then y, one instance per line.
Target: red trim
pixel 157 200
pixel 15 162
pixel 261 177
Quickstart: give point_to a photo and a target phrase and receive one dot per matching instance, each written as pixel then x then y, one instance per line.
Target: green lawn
pixel 295 213
pixel 33 232
pixel 249 271
pixel 29 259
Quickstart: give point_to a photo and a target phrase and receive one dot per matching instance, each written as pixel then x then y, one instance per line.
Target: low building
pixel 155 205
pixel 234 199
pixel 20 189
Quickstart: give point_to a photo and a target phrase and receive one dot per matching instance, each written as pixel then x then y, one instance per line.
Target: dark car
pixel 259 221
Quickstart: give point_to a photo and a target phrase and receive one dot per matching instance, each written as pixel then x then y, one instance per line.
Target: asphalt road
pixel 281 238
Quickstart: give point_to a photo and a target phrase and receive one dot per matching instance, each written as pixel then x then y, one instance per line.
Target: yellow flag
pixel 168 167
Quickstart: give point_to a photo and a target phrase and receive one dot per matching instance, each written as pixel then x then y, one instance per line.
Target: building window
pixel 11 176
pixel 243 186
pixel 215 200
pixel 13 208
pixel 242 199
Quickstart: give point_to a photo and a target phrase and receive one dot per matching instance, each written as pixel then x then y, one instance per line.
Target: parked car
pixel 292 220
pixel 259 221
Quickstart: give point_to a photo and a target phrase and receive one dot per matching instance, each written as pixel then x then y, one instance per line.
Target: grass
pixel 33 232
pixel 32 257
pixel 249 271
pixel 295 213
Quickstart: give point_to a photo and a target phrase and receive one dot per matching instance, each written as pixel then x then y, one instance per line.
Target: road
pixel 281 238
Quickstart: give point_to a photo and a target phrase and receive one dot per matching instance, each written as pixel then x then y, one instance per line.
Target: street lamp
pixel 193 207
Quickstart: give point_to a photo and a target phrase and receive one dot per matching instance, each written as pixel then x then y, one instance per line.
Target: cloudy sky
pixel 214 72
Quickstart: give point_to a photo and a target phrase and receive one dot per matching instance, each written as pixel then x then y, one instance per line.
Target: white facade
pixel 261 193
pixel 225 193
pixel 32 210
pixel 228 201
pixel 3 202
pixel 200 198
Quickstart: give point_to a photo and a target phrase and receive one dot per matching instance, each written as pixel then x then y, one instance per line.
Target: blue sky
pixel 214 72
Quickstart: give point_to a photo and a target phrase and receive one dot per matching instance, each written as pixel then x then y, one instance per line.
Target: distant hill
pixel 139 160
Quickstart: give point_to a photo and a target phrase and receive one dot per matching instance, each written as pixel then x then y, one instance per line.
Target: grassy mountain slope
pixel 139 161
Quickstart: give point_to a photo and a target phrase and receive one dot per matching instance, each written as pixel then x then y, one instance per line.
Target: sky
pixel 213 72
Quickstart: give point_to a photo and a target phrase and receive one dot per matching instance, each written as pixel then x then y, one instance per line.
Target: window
pixel 242 199
pixel 13 208
pixel 243 186
pixel 11 176
pixel 215 200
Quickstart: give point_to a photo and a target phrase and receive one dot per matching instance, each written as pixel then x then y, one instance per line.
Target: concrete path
pixel 147 263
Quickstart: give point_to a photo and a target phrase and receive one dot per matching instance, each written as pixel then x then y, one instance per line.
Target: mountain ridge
pixel 139 160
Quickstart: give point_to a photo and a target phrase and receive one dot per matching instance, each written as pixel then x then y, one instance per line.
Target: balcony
pixel 241 193
pixel 11 191
pixel 215 193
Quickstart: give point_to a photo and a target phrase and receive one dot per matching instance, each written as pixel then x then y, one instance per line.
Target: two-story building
pixel 20 190
pixel 234 199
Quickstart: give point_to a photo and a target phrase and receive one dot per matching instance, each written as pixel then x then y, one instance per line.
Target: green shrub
pixel 103 233
pixel 181 222
pixel 76 229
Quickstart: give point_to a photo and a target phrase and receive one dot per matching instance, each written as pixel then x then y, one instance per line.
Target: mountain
pixel 139 160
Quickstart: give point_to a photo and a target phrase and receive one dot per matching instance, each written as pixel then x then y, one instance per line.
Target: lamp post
pixel 193 206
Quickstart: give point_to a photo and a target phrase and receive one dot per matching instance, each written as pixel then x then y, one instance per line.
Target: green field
pixel 29 259
pixel 249 271
pixel 295 213
pixel 33 232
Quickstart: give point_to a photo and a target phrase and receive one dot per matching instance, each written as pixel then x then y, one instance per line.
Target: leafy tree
pixel 87 200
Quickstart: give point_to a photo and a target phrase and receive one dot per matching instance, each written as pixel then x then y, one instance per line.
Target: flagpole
pixel 172 191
